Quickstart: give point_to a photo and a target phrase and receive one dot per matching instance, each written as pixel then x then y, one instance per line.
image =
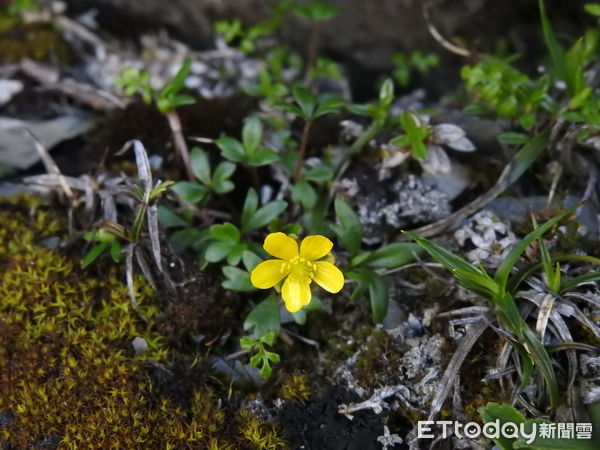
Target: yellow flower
pixel 300 268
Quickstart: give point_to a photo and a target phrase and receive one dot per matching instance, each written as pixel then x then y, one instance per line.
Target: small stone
pixel 139 345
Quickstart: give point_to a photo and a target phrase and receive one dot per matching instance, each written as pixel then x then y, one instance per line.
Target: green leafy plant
pixel 217 181
pixel 227 242
pixel 366 267
pixel 248 151
pixel 531 350
pixel 166 100
pixel 380 114
pixel 507 91
pixel 18 7
pixel 248 40
pixel 105 241
pixel 530 439
pixel 262 356
pixel 133 81
pixel 308 107
pixel 316 10
pixel 415 135
pixel 406 64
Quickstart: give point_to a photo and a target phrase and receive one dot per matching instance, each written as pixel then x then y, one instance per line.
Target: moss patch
pixel 68 375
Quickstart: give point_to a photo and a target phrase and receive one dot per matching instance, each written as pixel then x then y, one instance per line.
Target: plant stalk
pixel 303 145
pixel 179 140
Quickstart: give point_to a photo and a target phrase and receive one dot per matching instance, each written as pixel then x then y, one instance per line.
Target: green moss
pixel 256 434
pixel 295 387
pixel 37 41
pixel 66 364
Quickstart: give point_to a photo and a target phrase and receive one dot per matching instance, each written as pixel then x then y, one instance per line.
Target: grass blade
pixel 557 53
pixel 541 358
pixel 505 268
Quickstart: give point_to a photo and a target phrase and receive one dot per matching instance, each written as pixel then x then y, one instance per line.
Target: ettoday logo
pixel 509 430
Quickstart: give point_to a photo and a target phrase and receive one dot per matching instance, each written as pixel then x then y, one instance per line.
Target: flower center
pixel 300 268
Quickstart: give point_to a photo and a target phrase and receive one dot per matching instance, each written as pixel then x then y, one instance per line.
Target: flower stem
pixel 303 145
pixel 311 54
pixel 364 138
pixel 356 147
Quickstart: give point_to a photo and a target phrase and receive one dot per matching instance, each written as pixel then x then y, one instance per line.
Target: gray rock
pixel 17 149
pixel 396 202
pixel 365 32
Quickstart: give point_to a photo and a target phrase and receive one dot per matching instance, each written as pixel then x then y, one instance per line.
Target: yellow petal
pixel 268 273
pixel 328 276
pixel 281 246
pixel 315 247
pixel 296 293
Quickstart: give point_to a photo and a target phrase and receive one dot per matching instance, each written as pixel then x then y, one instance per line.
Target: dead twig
pixel 438 36
pixel 52 168
pixel 179 140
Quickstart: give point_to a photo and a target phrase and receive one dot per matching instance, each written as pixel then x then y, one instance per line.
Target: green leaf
pixel 247 343
pixel 169 219
pixel 349 229
pixel 415 135
pixel 300 316
pixel 593 9
pixel 362 282
pixel 579 99
pixel 220 180
pixel 181 100
pixel 93 254
pixel 329 106
pixel 527 120
pixel 508 107
pixel 468 275
pixel 306 99
pixel 264 318
pixel 378 293
pixel 557 53
pixel 576 281
pixel 290 108
pixel 236 279
pixel 232 149
pixel 544 363
pixel 316 10
pixel 360 258
pixel 304 193
pixel 510 260
pixel 527 156
pixel 217 251
pixel 393 255
pixel 249 209
pixel 225 232
pixel 360 110
pixel 511 138
pixel 263 156
pixel 504 413
pixel 200 165
pixel 235 254
pixel 115 251
pixel 319 173
pixel 177 83
pixel 191 192
pixel 268 338
pixel 386 93
pixel 183 239
pixel 250 260
pixel 265 215
pixel 265 371
pixel 252 134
